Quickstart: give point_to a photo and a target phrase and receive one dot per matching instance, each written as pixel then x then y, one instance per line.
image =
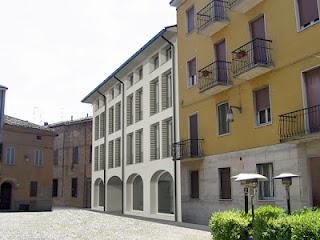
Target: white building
pixel 134 126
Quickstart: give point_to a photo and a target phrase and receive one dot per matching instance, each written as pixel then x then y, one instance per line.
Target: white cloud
pixel 52 53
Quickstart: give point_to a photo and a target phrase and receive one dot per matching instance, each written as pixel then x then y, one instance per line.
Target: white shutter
pixel 96 128
pixel 102 124
pixel 138 105
pixel 152 98
pixel 129 110
pixel 118 116
pixel 111 117
pixel 102 157
pixel 96 158
pixel 139 151
pixel 110 155
pixel 129 148
pixel 117 154
pixel 164 92
pixel 154 144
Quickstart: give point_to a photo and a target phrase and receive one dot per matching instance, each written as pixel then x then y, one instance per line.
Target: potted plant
pixel 241 54
pixel 205 73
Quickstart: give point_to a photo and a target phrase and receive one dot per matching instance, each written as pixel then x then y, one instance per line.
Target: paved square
pixel 67 224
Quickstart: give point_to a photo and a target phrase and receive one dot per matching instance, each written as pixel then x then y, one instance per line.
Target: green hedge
pixel 270 223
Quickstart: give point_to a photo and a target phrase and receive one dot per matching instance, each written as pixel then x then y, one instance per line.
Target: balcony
pixel 187 149
pixel 214 78
pixel 243 6
pixel 213 17
pixel 252 59
pixel 301 124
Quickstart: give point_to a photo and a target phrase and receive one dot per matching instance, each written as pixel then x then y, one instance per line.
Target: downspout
pixel 122 142
pixel 85 200
pixel 174 123
pixel 105 145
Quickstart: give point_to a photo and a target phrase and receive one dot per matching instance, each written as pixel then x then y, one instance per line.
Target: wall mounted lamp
pixel 230 116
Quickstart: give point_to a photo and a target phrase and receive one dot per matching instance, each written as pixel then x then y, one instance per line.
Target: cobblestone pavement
pixel 67 224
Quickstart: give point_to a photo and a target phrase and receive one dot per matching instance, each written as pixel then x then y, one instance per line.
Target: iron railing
pixel 215 11
pixel 191 148
pixel 217 73
pixel 299 123
pixel 254 53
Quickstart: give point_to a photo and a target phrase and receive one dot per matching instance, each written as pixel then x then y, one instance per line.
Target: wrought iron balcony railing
pixel 191 148
pixel 299 123
pixel 217 73
pixel 215 11
pixel 254 53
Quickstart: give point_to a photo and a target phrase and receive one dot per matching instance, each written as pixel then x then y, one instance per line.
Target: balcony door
pixel 312 83
pixel 220 64
pixel 218 10
pixel 259 53
pixel 193 134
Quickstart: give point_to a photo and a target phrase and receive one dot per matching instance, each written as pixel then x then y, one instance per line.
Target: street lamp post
pixel 287 182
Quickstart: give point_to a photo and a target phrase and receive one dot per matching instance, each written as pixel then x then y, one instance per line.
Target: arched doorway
pixel 134 193
pixel 114 194
pixel 99 193
pixel 5 196
pixel 162 190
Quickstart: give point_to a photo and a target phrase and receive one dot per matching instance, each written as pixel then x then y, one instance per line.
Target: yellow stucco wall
pixel 292 53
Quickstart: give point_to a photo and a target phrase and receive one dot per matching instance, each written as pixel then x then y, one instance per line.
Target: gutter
pixel 174 123
pixel 105 147
pixel 122 142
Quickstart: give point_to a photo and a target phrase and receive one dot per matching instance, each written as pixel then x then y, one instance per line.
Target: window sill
pixel 301 29
pixel 225 200
pixel 263 125
pixel 224 135
pixel 266 200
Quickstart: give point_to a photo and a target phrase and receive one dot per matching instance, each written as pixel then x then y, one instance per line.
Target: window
pixel 154 97
pixel 130 110
pixel 75 155
pixel 118 117
pixel 102 157
pixel 130 80
pixel 96 128
pixel 192 72
pixel 112 93
pixel 155 61
pixel 308 12
pixel 154 142
pixel 33 189
pixel 168 53
pixel 140 73
pixel 166 91
pixel 225 183
pixel 102 124
pixel 139 105
pixel 10 160
pixel 74 187
pixel 190 19
pixel 110 155
pixel 266 188
pixel 117 153
pixel 222 118
pixel 262 102
pixel 118 89
pixel 139 146
pixel 90 157
pixel 111 120
pixel 130 148
pixel 39 159
pixel 194 184
pixel 96 158
pixel 56 157
pixel 167 138
pixel 55 188
pixel 39 137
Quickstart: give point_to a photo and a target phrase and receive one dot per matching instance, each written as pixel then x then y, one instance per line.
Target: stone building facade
pixel 25 166
pixel 71 180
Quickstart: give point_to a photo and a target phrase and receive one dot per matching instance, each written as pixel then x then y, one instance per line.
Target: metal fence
pixel 190 148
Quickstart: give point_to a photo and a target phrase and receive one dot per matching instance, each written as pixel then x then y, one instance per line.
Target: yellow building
pixel 249 85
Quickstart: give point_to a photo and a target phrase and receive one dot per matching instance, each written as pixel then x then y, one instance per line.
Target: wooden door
pixel 193 132
pixel 312 83
pixel 5 196
pixel 221 62
pixel 258 36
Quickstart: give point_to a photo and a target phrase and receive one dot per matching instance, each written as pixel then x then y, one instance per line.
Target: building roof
pixel 176 3
pixel 122 66
pixel 3 87
pixel 70 122
pixel 16 122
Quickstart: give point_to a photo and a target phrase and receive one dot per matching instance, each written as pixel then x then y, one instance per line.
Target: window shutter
pixel 165 142
pixel 225 183
pixel 164 92
pixel 308 11
pixel 117 153
pixel 139 152
pixel 138 105
pixel 194 184
pixel 129 148
pixel 153 143
pixel 110 156
pixel 190 20
pixel 152 98
pixel 222 114
pixel 111 117
pixel 96 158
pixel 96 128
pixel 262 99
pixel 129 110
pixel 118 117
pixel 102 124
pixel 102 157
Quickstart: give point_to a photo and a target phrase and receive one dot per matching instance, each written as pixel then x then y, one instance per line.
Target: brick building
pixel 71 180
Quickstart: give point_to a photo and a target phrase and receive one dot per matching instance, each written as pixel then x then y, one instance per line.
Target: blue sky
pixel 52 53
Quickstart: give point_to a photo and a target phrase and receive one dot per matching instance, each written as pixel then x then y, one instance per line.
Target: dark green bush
pixel 229 225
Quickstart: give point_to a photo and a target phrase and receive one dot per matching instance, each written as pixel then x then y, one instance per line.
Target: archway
pixel 114 194
pixel 99 193
pixel 162 193
pixel 134 193
pixel 5 196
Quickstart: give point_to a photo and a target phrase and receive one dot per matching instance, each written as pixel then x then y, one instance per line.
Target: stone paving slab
pixel 70 224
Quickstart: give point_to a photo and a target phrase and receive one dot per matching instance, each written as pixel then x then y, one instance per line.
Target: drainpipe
pixel 122 142
pixel 174 123
pixel 105 145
